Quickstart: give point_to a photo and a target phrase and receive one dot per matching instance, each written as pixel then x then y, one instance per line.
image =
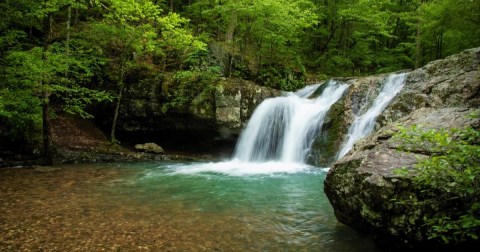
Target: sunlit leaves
pixel 267 24
pixel 131 11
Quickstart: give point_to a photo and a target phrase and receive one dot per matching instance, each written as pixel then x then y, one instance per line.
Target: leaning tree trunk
pixel 115 116
pixel 117 108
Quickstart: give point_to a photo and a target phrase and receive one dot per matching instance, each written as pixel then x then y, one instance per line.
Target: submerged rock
pixel 45 169
pixel 360 186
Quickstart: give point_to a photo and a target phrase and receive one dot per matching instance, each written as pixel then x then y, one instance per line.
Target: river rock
pixel 360 185
pixel 150 148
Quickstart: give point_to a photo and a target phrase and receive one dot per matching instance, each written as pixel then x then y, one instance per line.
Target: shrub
pixel 447 184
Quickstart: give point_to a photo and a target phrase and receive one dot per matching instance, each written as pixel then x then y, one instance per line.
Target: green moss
pixel 327 144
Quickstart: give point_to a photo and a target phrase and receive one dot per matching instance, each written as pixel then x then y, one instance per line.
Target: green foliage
pixel 447 183
pixel 283 79
pixel 20 117
pixel 73 53
pixel 190 87
pixel 447 27
pixel 262 34
pixel 42 72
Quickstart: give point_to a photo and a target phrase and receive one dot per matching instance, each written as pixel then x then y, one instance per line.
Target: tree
pixel 44 71
pixel 263 33
pixel 447 27
pixel 130 32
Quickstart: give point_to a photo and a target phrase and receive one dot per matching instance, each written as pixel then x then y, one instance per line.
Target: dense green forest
pixel 68 54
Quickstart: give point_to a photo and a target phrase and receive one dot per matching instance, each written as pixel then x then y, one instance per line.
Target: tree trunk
pixel 67 41
pixel 47 136
pixel 117 108
pixel 76 17
pixel 46 129
pixel 439 46
pixel 230 39
pixel 418 45
pixel 115 116
pixel 418 48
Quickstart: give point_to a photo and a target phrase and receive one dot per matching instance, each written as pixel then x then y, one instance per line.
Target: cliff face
pixel 360 185
pixel 215 115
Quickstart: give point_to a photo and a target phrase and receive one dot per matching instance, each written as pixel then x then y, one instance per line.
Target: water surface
pixel 172 207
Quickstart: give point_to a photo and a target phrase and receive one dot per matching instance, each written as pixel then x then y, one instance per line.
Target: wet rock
pixel 355 100
pixel 150 148
pixel 235 101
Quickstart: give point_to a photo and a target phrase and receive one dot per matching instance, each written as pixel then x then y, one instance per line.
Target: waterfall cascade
pixel 365 122
pixel 281 131
pixel 283 128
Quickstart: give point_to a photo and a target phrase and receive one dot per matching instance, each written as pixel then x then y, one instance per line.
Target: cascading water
pixel 281 131
pixel 283 128
pixel 364 123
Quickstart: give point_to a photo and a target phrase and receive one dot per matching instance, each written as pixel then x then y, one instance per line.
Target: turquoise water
pixel 232 206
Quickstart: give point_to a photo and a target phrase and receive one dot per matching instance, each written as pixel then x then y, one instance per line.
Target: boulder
pixel 360 185
pixel 149 148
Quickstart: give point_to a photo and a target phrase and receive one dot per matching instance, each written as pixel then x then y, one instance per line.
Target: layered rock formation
pixel 360 185
pixel 216 115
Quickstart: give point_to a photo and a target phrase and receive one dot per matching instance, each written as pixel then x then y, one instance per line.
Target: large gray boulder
pixel 360 185
pixel 442 83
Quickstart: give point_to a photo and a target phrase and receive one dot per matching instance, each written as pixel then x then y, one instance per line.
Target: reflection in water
pixel 170 207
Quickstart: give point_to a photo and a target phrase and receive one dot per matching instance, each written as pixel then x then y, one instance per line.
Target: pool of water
pixel 226 206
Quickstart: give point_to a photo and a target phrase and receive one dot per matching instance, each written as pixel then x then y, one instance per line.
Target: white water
pixel 283 128
pixel 236 168
pixel 364 123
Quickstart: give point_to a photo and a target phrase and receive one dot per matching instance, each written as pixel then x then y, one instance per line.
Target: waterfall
pixel 364 123
pixel 283 128
pixel 279 135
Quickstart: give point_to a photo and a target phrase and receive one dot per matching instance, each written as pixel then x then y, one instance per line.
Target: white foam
pixel 240 169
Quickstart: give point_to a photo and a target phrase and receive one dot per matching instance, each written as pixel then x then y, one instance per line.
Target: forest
pixel 69 55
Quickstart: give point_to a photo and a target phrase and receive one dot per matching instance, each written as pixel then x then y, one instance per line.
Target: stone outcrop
pixel 360 185
pixel 235 101
pixel 218 114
